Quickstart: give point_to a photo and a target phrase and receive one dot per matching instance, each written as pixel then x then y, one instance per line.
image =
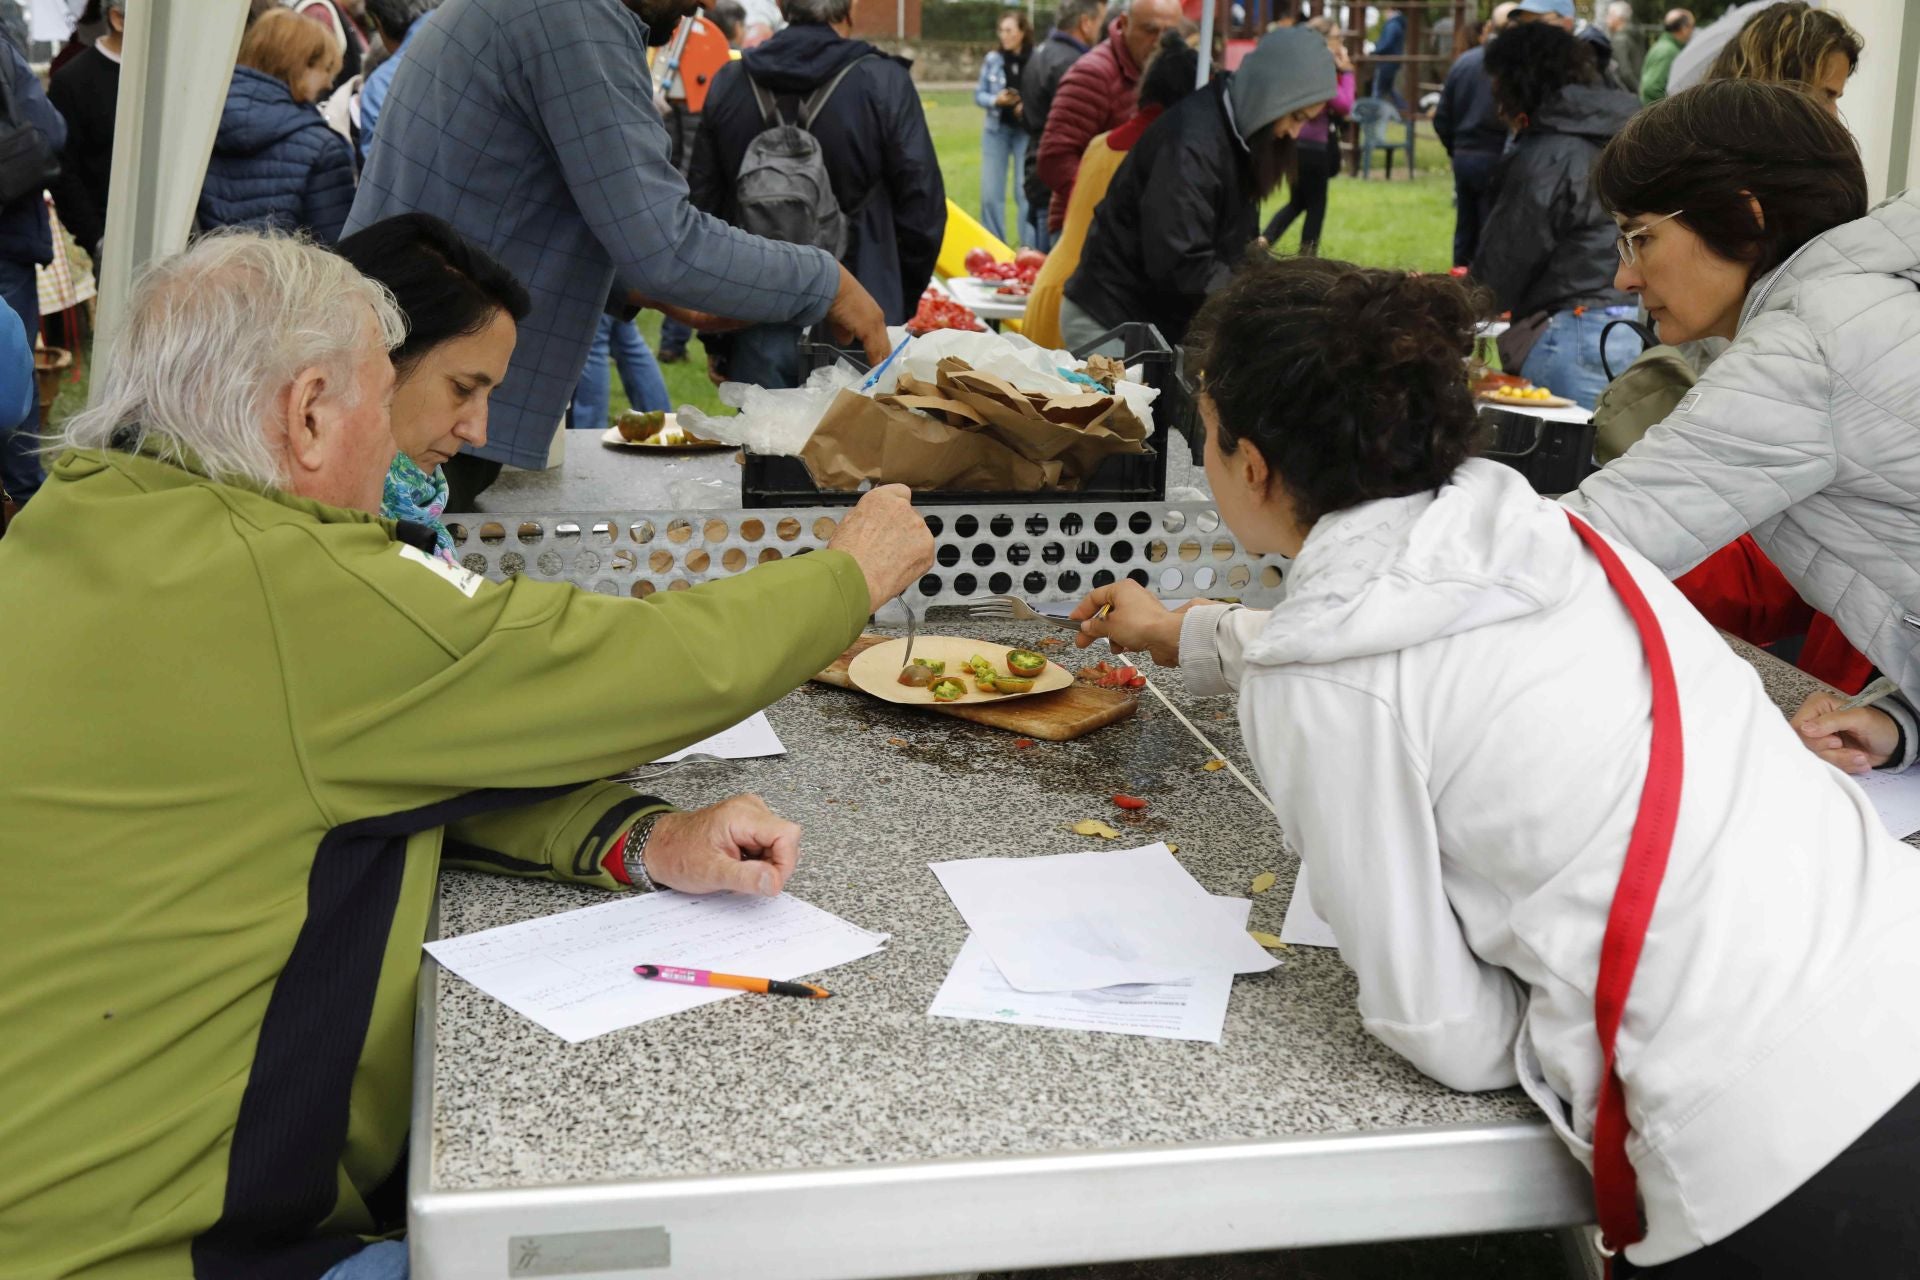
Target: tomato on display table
pixel 938 311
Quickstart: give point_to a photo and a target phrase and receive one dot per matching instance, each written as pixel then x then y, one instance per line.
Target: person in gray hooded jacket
pixel 1185 206
pixel 1742 209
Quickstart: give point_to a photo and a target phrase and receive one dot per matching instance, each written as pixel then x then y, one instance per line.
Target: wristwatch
pixel 634 855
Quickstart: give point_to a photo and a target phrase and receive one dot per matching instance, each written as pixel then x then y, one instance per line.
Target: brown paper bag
pixel 1078 431
pixel 859 439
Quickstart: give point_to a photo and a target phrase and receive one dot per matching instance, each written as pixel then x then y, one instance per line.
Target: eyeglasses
pixel 1628 241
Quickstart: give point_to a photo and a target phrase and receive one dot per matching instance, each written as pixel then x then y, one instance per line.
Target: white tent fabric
pixel 175 67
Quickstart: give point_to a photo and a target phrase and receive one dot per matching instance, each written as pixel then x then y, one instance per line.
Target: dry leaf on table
pixel 1214 766
pixel 1266 939
pixel 1264 881
pixel 1094 827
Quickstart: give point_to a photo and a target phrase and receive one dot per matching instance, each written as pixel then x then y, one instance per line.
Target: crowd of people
pixel 209 1057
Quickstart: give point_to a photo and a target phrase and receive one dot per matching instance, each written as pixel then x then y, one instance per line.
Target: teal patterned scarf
pixel 412 494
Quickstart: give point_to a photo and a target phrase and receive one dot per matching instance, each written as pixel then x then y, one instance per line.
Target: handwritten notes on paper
pixel 1896 797
pixel 573 972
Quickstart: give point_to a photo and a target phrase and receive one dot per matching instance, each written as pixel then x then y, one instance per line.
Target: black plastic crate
pixel 1554 456
pixel 785 482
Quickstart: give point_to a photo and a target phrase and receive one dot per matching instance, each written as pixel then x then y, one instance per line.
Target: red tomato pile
pixel 938 311
pixel 1016 277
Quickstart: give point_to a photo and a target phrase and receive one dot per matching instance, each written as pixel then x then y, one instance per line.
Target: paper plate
pixel 1524 402
pixel 877 671
pixel 612 436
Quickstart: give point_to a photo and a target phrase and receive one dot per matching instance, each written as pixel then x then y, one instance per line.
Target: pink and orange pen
pixel 707 978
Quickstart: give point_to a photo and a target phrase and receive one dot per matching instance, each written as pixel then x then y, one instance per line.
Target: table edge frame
pixel 1010 1212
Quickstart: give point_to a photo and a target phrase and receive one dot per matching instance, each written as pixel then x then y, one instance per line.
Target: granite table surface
pixel 867 1077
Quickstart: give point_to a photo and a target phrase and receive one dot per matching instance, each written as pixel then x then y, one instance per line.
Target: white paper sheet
pixel 1896 796
pixel 573 973
pixel 751 738
pixel 1076 921
pixel 1191 1009
pixel 1303 928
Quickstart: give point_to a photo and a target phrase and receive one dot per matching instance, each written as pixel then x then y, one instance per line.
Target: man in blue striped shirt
pixel 530 126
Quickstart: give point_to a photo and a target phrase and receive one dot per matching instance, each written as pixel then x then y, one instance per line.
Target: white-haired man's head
pixel 1619 15
pixel 254 358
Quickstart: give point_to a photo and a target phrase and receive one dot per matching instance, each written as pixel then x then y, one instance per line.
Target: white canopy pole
pixel 1880 103
pixel 1206 44
pixel 176 63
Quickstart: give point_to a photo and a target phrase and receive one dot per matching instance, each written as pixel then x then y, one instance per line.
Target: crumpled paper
pixel 971 430
pixel 782 422
pixel 1011 358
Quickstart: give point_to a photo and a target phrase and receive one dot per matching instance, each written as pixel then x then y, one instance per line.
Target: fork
pixel 913 626
pixel 1004 608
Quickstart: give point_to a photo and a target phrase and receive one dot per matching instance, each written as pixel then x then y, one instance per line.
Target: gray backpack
pixel 782 189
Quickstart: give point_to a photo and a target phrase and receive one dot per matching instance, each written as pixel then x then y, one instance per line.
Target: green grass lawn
pixel 1382 224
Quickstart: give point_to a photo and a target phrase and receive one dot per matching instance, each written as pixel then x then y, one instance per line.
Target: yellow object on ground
pixel 964 235
pixel 1097 167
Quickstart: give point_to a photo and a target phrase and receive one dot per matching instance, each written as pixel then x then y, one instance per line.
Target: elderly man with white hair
pixel 250 719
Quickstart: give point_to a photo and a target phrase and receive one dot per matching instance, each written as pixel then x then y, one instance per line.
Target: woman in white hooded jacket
pixel 1451 710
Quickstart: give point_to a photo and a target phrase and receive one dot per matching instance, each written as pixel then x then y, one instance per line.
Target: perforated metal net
pixel 1041 552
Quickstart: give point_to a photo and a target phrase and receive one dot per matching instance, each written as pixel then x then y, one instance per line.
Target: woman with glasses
pixel 1546 251
pixel 1742 214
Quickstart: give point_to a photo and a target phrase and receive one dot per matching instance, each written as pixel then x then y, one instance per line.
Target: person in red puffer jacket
pixel 1099 93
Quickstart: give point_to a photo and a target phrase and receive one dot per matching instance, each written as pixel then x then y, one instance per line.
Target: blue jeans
pixel 1000 146
pixel 646 389
pixel 383 1260
pixel 20 471
pixel 1034 233
pixel 673 335
pixel 767 355
pixel 1566 359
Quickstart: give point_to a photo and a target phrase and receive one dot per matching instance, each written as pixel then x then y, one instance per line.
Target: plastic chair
pixel 1375 118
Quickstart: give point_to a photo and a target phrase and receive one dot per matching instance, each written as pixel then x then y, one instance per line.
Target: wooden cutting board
pixel 1054 717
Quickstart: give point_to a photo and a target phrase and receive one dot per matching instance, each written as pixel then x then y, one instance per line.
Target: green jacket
pixel 240 726
pixel 1658 66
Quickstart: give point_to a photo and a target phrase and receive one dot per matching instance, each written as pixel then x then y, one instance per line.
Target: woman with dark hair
pixel 1168 77
pixel 462 310
pixel 1478 812
pixel 1185 206
pixel 1546 250
pixel 1792 43
pixel 1742 212
pixel 1003 139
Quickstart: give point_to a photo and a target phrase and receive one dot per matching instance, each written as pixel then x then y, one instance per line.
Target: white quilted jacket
pixel 1806 433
